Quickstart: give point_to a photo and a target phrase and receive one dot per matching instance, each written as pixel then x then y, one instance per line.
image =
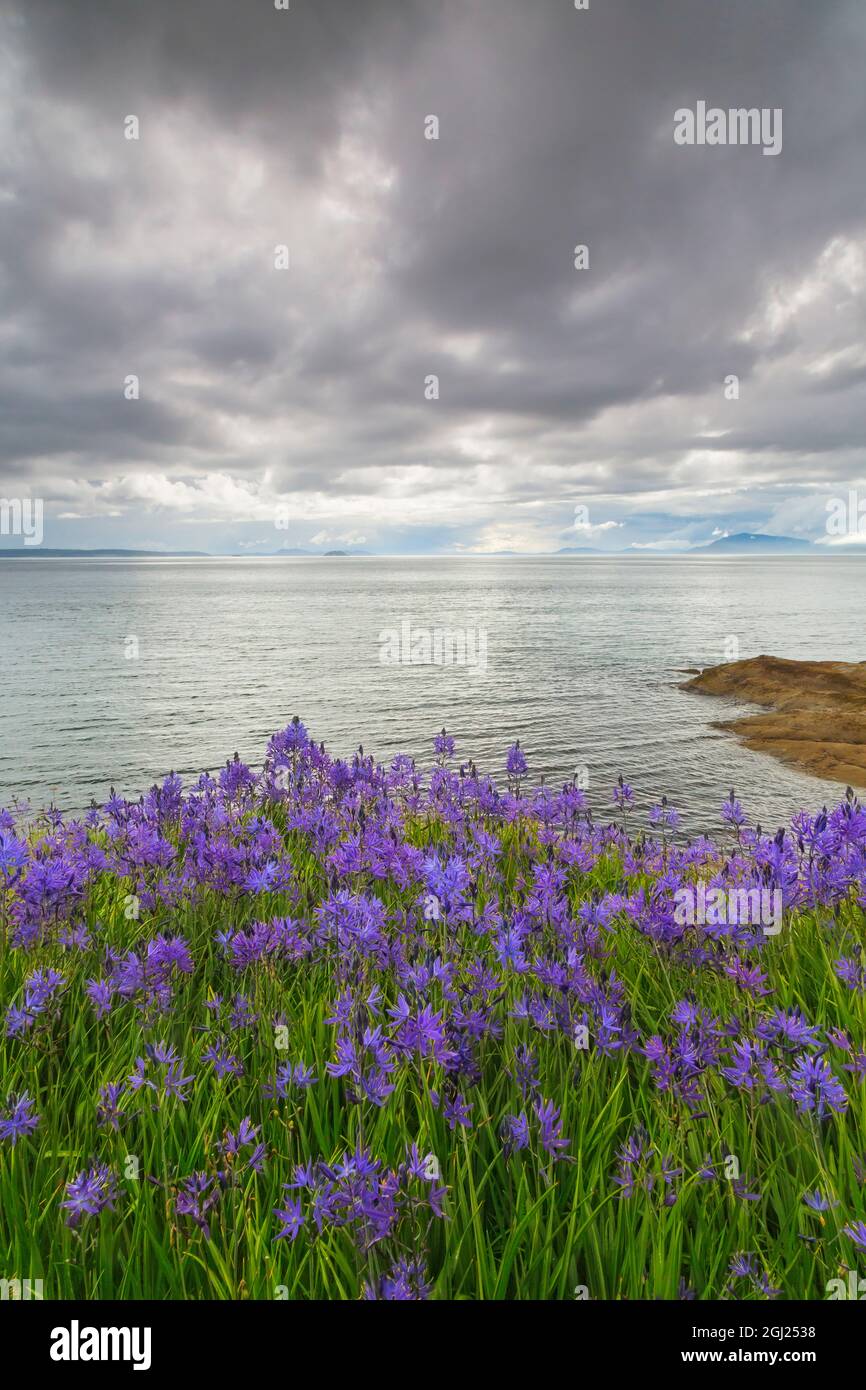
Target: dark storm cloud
pixel 410 257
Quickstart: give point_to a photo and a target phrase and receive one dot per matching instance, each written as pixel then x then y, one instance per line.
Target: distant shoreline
pixel 40 553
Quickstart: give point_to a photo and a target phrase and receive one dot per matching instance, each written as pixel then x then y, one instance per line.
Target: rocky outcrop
pixel 816 711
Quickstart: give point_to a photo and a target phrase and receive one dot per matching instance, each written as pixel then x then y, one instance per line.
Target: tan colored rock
pixel 816 715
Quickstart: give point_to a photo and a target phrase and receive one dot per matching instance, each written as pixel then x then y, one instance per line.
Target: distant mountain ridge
pixel 755 542
pixel 743 543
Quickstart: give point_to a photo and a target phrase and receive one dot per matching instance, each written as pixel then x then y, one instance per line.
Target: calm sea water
pixel 581 665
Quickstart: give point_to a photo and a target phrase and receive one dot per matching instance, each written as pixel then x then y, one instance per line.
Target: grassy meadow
pixel 332 1030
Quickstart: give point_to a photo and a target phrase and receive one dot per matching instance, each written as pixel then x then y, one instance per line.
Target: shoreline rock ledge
pixel 816 711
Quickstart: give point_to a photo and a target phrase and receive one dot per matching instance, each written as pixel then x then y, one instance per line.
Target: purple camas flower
pixel 448 882
pixel 764 1287
pixel 443 745
pixel 733 813
pixel 13 857
pixel 241 1014
pixel 19 1120
pixel 515 761
pixel 526 1070
pixel 752 1070
pixel 749 977
pixel 422 1032
pixel 39 991
pixel 856 1231
pixel 195 1198
pixel 367 1064
pixel 291 1218
pixel 852 972
pixel 623 795
pixel 236 778
pixel 663 815
pixel 108 1111
pixel 815 1088
pixel 233 1146
pixel 743 1266
pixel 171 1084
pixel 225 1063
pixel 90 1193
pixel 456 1112
pixel 669 1171
pixel 290 1077
pixel 857 1065
pixel 549 1128
pixel 245 1137
pixel 100 993
pixel 147 977
pixel 75 938
pixel 515 1133
pixel 633 1159
pixel 817 1201
pixel 406 1281
pixel 740 1189
pixel 789 1030
pixel 176 1085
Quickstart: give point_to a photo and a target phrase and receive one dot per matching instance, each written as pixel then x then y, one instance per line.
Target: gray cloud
pixel 411 257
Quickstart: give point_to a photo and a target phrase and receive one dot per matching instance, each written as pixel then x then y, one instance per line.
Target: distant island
pixel 317 554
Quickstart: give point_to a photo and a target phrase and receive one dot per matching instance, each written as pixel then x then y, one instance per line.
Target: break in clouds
pixel 425 367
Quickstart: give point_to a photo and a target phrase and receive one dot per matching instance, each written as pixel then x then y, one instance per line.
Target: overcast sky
pixel 298 394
